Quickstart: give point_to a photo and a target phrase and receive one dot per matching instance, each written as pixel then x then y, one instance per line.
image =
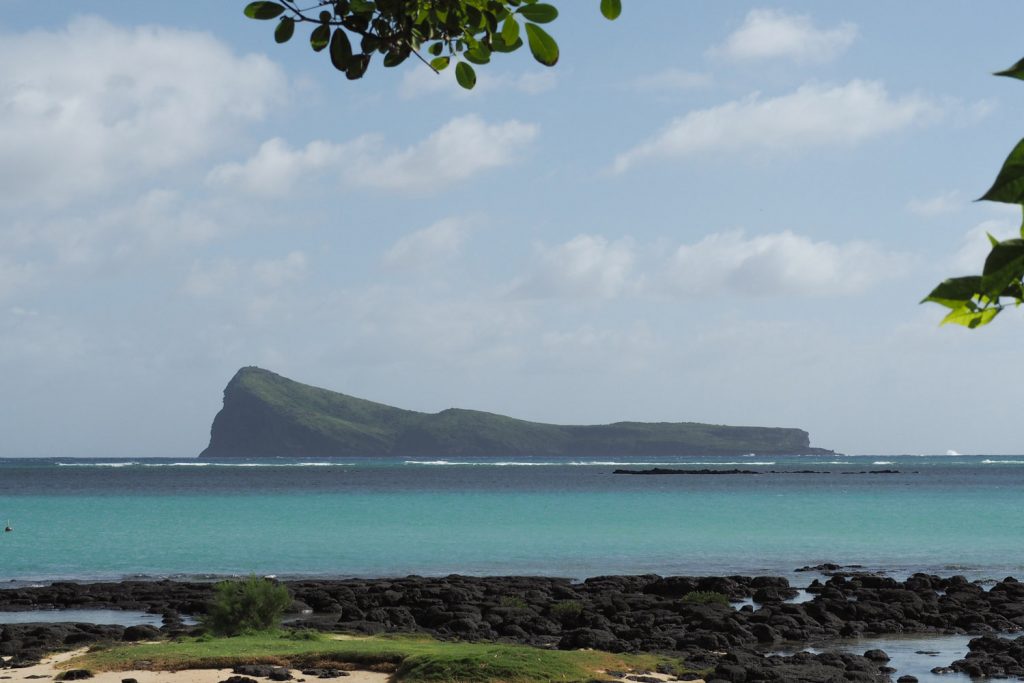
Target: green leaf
pixel 955 292
pixel 1015 71
pixel 540 13
pixel 341 49
pixel 465 75
pixel 1002 254
pixel 611 9
pixel 971 317
pixel 440 63
pixel 435 48
pixel 1004 264
pixel 991 240
pixel 395 58
pixel 543 46
pixel 478 54
pixel 263 10
pixel 285 29
pixel 499 44
pixel 1009 184
pixel 357 66
pixel 320 37
pixel 510 30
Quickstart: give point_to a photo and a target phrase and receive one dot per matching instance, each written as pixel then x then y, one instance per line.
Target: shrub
pixel 567 611
pixel 250 605
pixel 513 601
pixel 706 598
pixel 303 634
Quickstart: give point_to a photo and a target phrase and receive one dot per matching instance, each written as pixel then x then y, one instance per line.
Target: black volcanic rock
pixel 266 415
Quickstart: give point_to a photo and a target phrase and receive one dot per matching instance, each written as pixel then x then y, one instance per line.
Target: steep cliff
pixel 266 415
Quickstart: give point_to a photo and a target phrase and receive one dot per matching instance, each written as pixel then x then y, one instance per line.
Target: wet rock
pixel 274 673
pixel 325 673
pixel 141 632
pixel 590 638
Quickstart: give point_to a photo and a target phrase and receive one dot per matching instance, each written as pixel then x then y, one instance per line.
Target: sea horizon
pixel 117 518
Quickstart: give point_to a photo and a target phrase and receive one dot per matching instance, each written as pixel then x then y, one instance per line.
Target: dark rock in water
pixel 876 656
pixel 274 673
pixel 907 679
pixel 774 594
pixel 663 470
pixel 992 657
pixel 74 675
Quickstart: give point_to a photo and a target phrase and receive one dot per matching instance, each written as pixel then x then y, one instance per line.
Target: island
pixel 266 415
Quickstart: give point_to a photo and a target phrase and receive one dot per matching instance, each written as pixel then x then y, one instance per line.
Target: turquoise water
pixel 90 520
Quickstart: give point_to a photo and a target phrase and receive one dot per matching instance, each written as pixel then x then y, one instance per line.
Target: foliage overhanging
pixel 437 32
pixel 975 300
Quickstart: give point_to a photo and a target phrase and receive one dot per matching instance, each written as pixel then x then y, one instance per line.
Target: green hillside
pixel 266 415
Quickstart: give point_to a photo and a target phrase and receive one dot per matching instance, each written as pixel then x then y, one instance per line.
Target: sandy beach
pixel 50 667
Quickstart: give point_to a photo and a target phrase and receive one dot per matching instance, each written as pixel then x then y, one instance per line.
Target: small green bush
pixel 303 634
pixel 706 598
pixel 250 605
pixel 567 611
pixel 513 601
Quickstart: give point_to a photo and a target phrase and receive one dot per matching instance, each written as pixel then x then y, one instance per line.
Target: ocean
pixel 112 519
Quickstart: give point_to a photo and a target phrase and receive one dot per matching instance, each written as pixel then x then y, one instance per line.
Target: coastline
pixel 53 666
pixel 744 622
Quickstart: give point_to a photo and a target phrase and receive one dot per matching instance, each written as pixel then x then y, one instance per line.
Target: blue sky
pixel 715 212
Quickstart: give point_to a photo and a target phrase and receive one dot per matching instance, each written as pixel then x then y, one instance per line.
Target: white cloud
pixel 232 277
pixel 276 273
pixel 150 224
pixel 14 276
pixel 421 82
pixel 779 264
pixel 768 34
pixel 631 347
pixel 974 247
pixel 94 104
pixel 436 243
pixel 587 266
pixel 812 116
pixel 276 167
pixel 459 149
pixel 672 79
pixel 937 205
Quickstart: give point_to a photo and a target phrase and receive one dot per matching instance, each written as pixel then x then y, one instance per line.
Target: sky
pixel 708 211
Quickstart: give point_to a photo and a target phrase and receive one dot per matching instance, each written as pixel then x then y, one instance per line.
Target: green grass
pixel 706 598
pixel 414 659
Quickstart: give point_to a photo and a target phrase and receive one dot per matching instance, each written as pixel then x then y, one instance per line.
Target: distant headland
pixel 267 415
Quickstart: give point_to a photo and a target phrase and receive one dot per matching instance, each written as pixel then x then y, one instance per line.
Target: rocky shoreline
pixel 688 616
